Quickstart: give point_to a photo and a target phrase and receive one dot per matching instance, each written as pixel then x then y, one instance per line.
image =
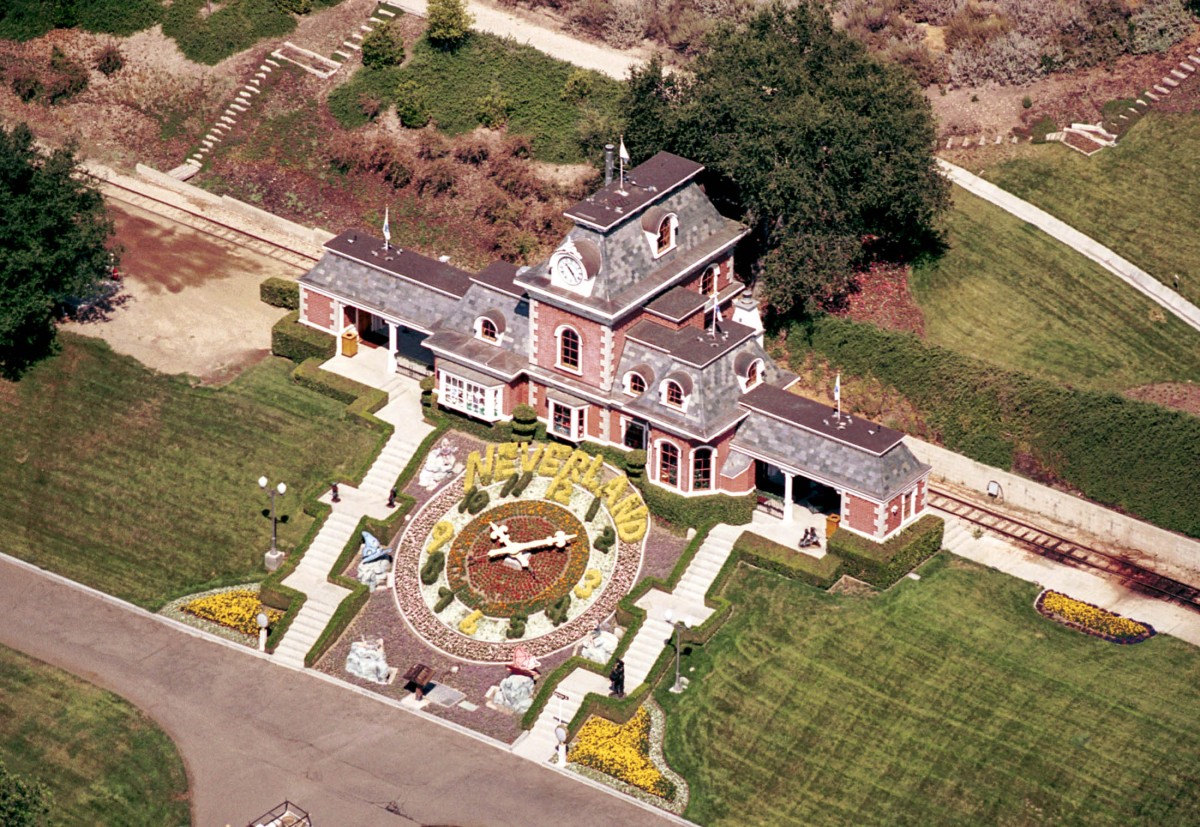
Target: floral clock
pixel 534 560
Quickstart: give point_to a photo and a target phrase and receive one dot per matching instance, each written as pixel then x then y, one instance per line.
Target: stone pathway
pixel 686 601
pixel 403 411
pixel 1004 555
pixel 1126 271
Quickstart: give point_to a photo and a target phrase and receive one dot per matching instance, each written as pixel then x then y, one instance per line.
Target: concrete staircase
pixel 686 601
pixel 370 498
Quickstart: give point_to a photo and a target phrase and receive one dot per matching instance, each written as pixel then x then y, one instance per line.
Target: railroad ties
pixel 1068 552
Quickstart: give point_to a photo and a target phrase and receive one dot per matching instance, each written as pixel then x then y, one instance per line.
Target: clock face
pixel 570 270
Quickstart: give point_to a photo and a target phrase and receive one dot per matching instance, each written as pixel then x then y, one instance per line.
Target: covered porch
pixel 385 345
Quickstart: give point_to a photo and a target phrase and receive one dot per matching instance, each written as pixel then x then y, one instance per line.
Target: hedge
pixel 360 400
pixel 279 292
pixel 766 554
pixel 1133 456
pixel 273 593
pixel 882 564
pixel 299 342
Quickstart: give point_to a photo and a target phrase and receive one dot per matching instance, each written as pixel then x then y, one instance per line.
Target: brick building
pixel 634 333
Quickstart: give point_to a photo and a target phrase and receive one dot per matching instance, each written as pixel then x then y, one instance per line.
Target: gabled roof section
pixel 644 183
pixel 365 249
pixel 691 345
pixel 822 420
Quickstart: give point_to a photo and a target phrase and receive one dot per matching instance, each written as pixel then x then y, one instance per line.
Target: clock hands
pixel 521 552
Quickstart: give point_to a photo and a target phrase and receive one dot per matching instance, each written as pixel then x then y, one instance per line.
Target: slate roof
pixel 691 345
pixel 455 338
pixel 677 304
pixel 644 184
pixel 414 303
pixel 802 450
pixel 499 276
pixel 822 419
pixel 414 267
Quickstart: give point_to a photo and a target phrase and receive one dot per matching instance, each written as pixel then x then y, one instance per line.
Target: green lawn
pixel 453 82
pixel 1139 198
pixel 103 760
pixel 145 487
pixel 944 701
pixel 1008 293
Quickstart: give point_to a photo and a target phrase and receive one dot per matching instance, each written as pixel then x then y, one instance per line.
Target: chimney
pixel 609 150
pixel 745 311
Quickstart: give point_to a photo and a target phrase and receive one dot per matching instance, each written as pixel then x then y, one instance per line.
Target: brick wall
pixel 316 308
pixel 860 514
pixel 892 518
pixel 549 319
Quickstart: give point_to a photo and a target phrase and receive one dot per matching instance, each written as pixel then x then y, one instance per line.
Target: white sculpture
pixel 439 467
pixel 374 574
pixel 514 693
pixel 599 646
pixel 366 660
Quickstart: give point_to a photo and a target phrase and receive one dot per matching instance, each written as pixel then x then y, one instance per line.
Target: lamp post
pixel 262 621
pixel 678 625
pixel 274 557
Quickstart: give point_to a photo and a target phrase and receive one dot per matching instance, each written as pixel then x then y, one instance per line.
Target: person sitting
pixel 806 539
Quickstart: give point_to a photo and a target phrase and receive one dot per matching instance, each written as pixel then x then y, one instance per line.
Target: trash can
pixel 831 524
pixel 350 342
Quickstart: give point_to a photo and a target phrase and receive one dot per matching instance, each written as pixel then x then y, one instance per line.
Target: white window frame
pixel 652 238
pixel 479 331
pixel 558 349
pixel 744 380
pixel 484 402
pixel 628 383
pixel 712 463
pixel 658 465
pixel 578 418
pixel 665 399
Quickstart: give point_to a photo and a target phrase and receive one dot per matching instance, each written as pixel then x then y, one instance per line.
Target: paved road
pixel 253 733
pixel 1131 274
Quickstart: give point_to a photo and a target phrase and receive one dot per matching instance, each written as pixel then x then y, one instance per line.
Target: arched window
pixel 752 374
pixel 702 469
pixel 487 330
pixel 634 384
pixel 666 235
pixel 708 281
pixel 674 394
pixel 668 464
pixel 568 349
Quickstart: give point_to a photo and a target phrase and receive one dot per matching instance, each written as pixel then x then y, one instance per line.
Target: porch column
pixel 787 496
pixel 338 325
pixel 391 347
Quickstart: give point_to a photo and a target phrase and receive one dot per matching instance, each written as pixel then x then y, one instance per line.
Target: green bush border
pixel 882 564
pixel 766 554
pixel 279 292
pixel 299 342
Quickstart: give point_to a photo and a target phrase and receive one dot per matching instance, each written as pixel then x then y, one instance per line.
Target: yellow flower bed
pixel 622 751
pixel 1092 618
pixel 236 609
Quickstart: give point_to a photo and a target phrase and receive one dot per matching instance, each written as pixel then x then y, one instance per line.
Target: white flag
pixel 837 388
pixel 387 228
pixel 624 151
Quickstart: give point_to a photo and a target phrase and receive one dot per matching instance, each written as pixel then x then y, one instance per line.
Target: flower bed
pixel 237 609
pixel 496 587
pixel 1092 620
pixel 623 752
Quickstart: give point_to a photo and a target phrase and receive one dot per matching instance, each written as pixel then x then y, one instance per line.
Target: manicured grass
pixel 1007 293
pixel 145 487
pixel 453 82
pixel 1139 198
pixel 103 760
pixel 943 701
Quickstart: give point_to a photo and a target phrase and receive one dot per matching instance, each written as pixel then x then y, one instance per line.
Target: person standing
pixel 617 679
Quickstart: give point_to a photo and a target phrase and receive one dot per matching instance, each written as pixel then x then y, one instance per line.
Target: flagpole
pixel 714 298
pixel 622 158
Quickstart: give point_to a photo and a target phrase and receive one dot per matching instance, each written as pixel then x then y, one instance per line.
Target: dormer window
pixel 568 349
pixel 635 385
pixel 661 227
pixel 752 374
pixel 489 326
pixel 674 395
pixel 675 391
pixel 666 235
pixel 709 280
pixel 487 330
pixel 749 370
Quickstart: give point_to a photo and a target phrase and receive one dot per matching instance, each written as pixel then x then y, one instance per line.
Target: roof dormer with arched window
pixel 661 227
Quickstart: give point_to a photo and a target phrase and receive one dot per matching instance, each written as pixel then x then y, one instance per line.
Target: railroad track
pixel 209 226
pixel 1069 552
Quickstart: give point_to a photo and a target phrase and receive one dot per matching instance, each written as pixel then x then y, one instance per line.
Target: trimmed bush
pixel 635 463
pixel 433 568
pixel 882 564
pixel 298 342
pixel 382 47
pixel 766 554
pixel 279 292
pixel 524 421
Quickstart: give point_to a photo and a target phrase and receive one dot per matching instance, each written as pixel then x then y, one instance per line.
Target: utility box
pixel 350 342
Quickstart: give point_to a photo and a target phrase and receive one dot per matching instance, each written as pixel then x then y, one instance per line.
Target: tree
pixel 807 136
pixel 53 236
pixel 22 803
pixel 384 46
pixel 449 22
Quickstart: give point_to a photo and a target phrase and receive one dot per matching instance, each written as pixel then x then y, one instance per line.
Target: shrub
pixel 295 6
pixel 1042 127
pixel 298 342
pixel 473 151
pixel 1026 102
pixel 493 108
pixel 515 245
pixel 882 564
pixel 445 598
pixel 279 292
pixel 579 86
pixel 449 23
pixel 771 556
pixel 592 16
pixel 635 463
pixel 369 106
pixel 410 105
pixel 1009 58
pixel 67 77
pixel 525 421
pixel 25 83
pixel 231 28
pixel 439 178
pixel 110 60
pixel 1158 25
pixel 383 46
pixel 432 570
pixel 624 28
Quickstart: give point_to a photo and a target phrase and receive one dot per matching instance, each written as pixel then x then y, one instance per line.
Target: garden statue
pixel 514 693
pixel 439 467
pixel 366 661
pixel 372 550
pixel 599 646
